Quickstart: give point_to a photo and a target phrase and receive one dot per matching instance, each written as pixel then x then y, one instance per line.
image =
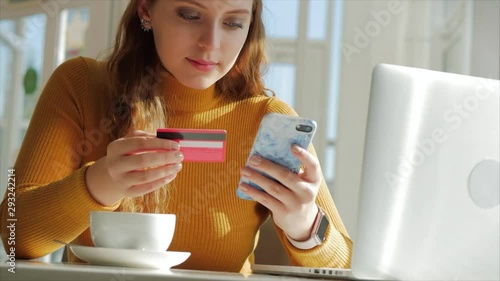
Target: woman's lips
pixel 202 65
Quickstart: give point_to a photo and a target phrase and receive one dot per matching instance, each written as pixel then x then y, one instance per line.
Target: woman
pixel 179 64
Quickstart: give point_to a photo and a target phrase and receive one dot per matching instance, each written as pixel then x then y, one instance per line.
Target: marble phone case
pixel 275 137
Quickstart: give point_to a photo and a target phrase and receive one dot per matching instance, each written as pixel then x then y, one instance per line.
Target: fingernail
pixel 246 172
pixel 175 146
pixel 296 148
pixel 255 160
pixel 179 155
pixel 178 167
pixel 243 188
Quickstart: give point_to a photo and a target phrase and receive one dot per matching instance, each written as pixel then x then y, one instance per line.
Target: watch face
pixel 323 225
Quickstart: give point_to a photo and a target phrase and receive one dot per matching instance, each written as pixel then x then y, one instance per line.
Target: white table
pixel 40 271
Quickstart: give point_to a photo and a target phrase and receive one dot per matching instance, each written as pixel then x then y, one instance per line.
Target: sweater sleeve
pixel 51 198
pixel 336 250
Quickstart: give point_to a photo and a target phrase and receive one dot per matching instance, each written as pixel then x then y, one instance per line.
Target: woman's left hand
pixel 292 199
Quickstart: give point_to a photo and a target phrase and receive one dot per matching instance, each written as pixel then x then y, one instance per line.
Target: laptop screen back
pixel 429 200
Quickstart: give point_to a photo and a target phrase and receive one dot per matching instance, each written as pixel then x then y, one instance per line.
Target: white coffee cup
pixel 139 231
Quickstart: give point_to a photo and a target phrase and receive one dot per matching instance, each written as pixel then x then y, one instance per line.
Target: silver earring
pixel 145 25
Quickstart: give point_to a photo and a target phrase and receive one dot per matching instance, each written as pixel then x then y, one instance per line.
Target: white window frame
pixel 313 72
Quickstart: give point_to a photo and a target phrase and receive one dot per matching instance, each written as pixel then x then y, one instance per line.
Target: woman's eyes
pixel 188 16
pixel 234 25
pixel 193 16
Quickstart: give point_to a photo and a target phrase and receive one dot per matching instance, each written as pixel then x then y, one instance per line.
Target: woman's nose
pixel 210 38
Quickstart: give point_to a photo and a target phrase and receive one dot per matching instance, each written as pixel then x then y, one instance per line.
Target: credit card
pixel 198 145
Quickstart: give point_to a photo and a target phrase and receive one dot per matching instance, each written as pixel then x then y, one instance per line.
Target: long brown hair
pixel 134 71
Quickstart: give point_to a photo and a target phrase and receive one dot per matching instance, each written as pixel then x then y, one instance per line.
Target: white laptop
pixel 430 192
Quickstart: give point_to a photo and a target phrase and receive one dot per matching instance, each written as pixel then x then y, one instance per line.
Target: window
pixel 35 37
pixel 304 40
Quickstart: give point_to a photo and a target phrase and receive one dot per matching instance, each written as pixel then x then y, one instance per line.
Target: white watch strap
pixel 313 241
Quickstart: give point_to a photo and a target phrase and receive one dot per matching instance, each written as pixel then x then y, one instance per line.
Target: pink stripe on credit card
pixel 198 145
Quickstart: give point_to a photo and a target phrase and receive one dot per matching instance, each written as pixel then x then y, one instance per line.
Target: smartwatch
pixel 318 233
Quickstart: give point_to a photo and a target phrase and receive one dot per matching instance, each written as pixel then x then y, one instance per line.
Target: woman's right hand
pixel 136 164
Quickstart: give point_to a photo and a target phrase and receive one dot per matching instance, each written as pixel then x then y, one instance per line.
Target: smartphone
pixel 275 137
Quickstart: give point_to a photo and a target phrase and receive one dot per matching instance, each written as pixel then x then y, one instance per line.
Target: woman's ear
pixel 143 10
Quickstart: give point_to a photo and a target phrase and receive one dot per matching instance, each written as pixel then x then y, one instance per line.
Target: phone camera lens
pixel 304 128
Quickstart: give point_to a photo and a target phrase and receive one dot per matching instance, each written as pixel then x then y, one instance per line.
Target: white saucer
pixel 129 257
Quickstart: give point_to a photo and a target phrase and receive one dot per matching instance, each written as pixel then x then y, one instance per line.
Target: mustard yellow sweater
pixel 68 132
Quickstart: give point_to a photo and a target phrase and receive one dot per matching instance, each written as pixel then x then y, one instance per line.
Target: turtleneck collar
pixel 180 98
